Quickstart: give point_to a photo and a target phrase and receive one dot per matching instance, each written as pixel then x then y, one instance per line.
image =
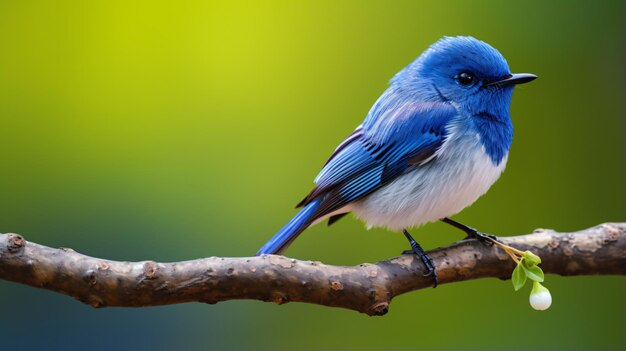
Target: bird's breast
pixel 458 176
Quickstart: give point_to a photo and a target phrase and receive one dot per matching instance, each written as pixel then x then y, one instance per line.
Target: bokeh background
pixel 178 130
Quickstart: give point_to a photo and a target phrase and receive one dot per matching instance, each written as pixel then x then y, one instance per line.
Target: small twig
pixel 367 288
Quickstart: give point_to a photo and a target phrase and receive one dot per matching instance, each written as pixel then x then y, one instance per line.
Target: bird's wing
pixel 378 151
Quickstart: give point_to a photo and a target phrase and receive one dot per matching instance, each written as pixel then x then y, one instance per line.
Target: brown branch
pixel 366 288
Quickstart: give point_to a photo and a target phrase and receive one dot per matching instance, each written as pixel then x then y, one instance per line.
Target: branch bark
pixel 367 288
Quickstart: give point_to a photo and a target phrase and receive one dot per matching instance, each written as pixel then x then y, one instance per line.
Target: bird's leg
pixel 471 232
pixel 417 250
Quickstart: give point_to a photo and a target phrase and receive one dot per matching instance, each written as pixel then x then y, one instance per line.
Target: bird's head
pixel 464 71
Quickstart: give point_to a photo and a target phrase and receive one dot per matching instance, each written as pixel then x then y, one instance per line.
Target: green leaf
pixel 531 258
pixel 518 277
pixel 533 272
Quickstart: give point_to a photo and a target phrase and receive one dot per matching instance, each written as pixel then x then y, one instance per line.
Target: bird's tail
pixel 279 242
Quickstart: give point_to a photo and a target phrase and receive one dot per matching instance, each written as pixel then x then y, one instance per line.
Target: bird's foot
pixel 417 250
pixel 486 239
pixel 471 232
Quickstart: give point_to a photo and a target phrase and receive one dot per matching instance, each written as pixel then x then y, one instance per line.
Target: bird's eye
pixel 465 78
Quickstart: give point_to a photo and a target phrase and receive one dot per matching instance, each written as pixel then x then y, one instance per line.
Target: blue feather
pixel 290 231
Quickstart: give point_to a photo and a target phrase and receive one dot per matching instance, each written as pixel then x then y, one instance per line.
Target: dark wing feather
pixel 335 218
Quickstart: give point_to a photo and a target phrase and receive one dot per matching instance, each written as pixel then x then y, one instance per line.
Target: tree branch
pixel 367 288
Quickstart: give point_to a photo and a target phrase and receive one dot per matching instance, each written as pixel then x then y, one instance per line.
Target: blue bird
pixel 432 144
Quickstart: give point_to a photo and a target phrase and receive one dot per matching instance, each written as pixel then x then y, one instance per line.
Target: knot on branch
pixel 379 309
pixel 15 243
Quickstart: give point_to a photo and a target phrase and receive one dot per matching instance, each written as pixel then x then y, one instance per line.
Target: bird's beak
pixel 512 79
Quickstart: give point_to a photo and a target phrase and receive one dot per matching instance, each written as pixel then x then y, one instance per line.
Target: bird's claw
pixel 487 239
pixel 471 232
pixel 419 252
pixel 429 269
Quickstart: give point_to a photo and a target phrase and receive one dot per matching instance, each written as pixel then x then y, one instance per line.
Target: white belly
pixel 438 189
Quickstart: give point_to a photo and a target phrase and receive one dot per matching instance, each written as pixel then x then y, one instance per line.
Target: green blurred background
pixel 172 131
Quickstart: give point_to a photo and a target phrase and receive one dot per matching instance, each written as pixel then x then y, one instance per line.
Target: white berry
pixel 541 301
pixel 540 298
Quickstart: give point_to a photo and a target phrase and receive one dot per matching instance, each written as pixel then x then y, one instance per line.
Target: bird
pixel 434 142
